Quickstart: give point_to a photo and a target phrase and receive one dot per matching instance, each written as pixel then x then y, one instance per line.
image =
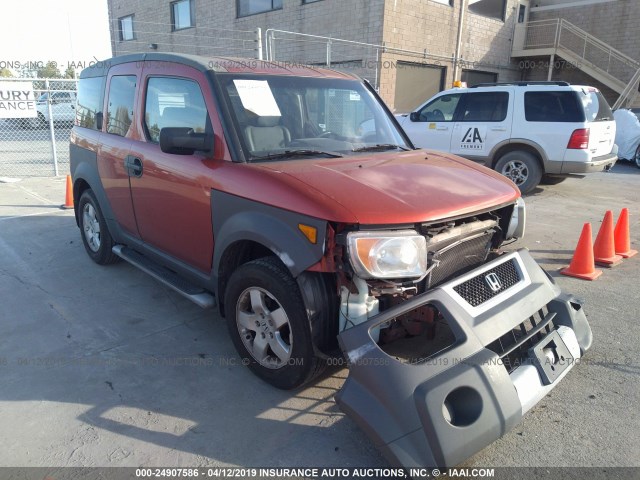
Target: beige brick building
pixel 429 29
pixel 409 49
pixel 612 43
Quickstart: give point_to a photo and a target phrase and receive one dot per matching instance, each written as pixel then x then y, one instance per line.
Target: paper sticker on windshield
pixel 473 138
pixel 354 96
pixel 257 97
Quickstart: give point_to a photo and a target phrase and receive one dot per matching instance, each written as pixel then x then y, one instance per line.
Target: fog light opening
pixel 462 407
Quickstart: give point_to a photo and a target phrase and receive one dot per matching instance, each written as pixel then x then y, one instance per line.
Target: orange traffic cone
pixel 68 201
pixel 582 265
pixel 604 250
pixel 621 235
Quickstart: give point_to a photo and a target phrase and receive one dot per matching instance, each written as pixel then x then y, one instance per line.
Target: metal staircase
pixel 579 49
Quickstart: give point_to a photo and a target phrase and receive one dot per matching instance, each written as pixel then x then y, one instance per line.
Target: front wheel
pixel 637 157
pixel 522 168
pixel 269 326
pixel 95 234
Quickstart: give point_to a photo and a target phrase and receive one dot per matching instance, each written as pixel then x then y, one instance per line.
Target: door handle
pixel 133 166
pixel 499 129
pixel 443 128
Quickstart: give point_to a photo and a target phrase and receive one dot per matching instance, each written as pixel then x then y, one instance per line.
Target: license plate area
pixel 551 357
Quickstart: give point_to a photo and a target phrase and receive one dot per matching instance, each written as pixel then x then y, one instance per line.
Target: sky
pixel 62 31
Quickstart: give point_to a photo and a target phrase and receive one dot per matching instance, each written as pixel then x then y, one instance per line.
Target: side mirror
pixel 414 117
pixel 184 141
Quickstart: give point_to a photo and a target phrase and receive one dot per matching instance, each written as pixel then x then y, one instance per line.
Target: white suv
pixel 63 109
pixel 524 130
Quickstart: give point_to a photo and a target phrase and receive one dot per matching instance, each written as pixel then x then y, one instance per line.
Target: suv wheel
pixel 36 122
pixel 637 157
pixel 95 234
pixel 522 168
pixel 268 324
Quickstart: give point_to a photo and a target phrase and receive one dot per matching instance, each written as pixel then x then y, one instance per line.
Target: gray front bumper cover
pixel 402 406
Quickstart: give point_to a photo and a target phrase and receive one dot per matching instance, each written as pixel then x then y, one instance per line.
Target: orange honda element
pixel 290 198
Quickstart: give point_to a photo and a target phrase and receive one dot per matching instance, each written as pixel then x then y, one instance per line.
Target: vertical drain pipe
pixel 456 58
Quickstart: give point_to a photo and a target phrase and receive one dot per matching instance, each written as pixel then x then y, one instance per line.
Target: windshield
pixel 286 117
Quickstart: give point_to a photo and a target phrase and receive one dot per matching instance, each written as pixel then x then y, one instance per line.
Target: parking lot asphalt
pixel 103 366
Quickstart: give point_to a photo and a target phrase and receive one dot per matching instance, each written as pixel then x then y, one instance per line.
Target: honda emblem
pixel 493 281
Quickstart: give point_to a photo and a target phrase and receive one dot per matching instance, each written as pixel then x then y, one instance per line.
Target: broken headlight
pixel 401 254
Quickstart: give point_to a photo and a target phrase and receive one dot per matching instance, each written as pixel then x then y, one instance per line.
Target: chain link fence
pixel 36 146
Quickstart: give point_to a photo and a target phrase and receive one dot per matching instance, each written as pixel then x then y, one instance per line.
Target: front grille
pixel 513 347
pixel 476 291
pixel 459 257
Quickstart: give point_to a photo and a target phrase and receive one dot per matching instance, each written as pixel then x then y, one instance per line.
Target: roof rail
pixel 520 84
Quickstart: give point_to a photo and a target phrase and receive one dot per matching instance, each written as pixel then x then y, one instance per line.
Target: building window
pixel 125 25
pixel 182 15
pixel 444 2
pixel 522 13
pixel 250 7
pixel 488 8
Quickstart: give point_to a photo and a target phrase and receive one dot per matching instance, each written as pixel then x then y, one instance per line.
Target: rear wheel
pixel 269 326
pixel 95 234
pixel 637 157
pixel 522 168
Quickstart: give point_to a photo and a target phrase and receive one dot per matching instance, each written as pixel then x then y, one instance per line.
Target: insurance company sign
pixel 17 100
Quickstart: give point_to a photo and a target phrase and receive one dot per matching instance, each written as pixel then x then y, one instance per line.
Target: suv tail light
pixel 579 139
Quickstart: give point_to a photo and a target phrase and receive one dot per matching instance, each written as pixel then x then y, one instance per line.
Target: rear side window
pixel 89 106
pixel 552 107
pixel 173 102
pixel 122 93
pixel 595 106
pixel 485 107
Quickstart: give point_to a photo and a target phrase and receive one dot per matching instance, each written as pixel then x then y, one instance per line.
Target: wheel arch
pixel 236 254
pixel 79 187
pixel 515 145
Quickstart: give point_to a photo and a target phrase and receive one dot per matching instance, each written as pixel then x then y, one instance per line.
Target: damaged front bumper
pixel 441 410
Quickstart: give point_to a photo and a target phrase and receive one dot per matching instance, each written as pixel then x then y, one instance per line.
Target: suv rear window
pixel 596 107
pixel 552 107
pixel 90 97
pixel 120 107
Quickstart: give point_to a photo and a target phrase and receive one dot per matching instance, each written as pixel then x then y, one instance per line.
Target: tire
pixel 94 231
pixel 636 159
pixel 36 123
pixel 269 326
pixel 522 168
pixel 552 180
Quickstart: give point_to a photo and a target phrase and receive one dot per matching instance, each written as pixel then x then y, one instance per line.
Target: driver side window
pixel 442 109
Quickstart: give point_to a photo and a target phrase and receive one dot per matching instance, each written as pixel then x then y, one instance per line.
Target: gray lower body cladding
pixel 443 409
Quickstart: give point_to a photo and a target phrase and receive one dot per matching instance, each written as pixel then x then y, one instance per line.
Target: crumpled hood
pixel 406 187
